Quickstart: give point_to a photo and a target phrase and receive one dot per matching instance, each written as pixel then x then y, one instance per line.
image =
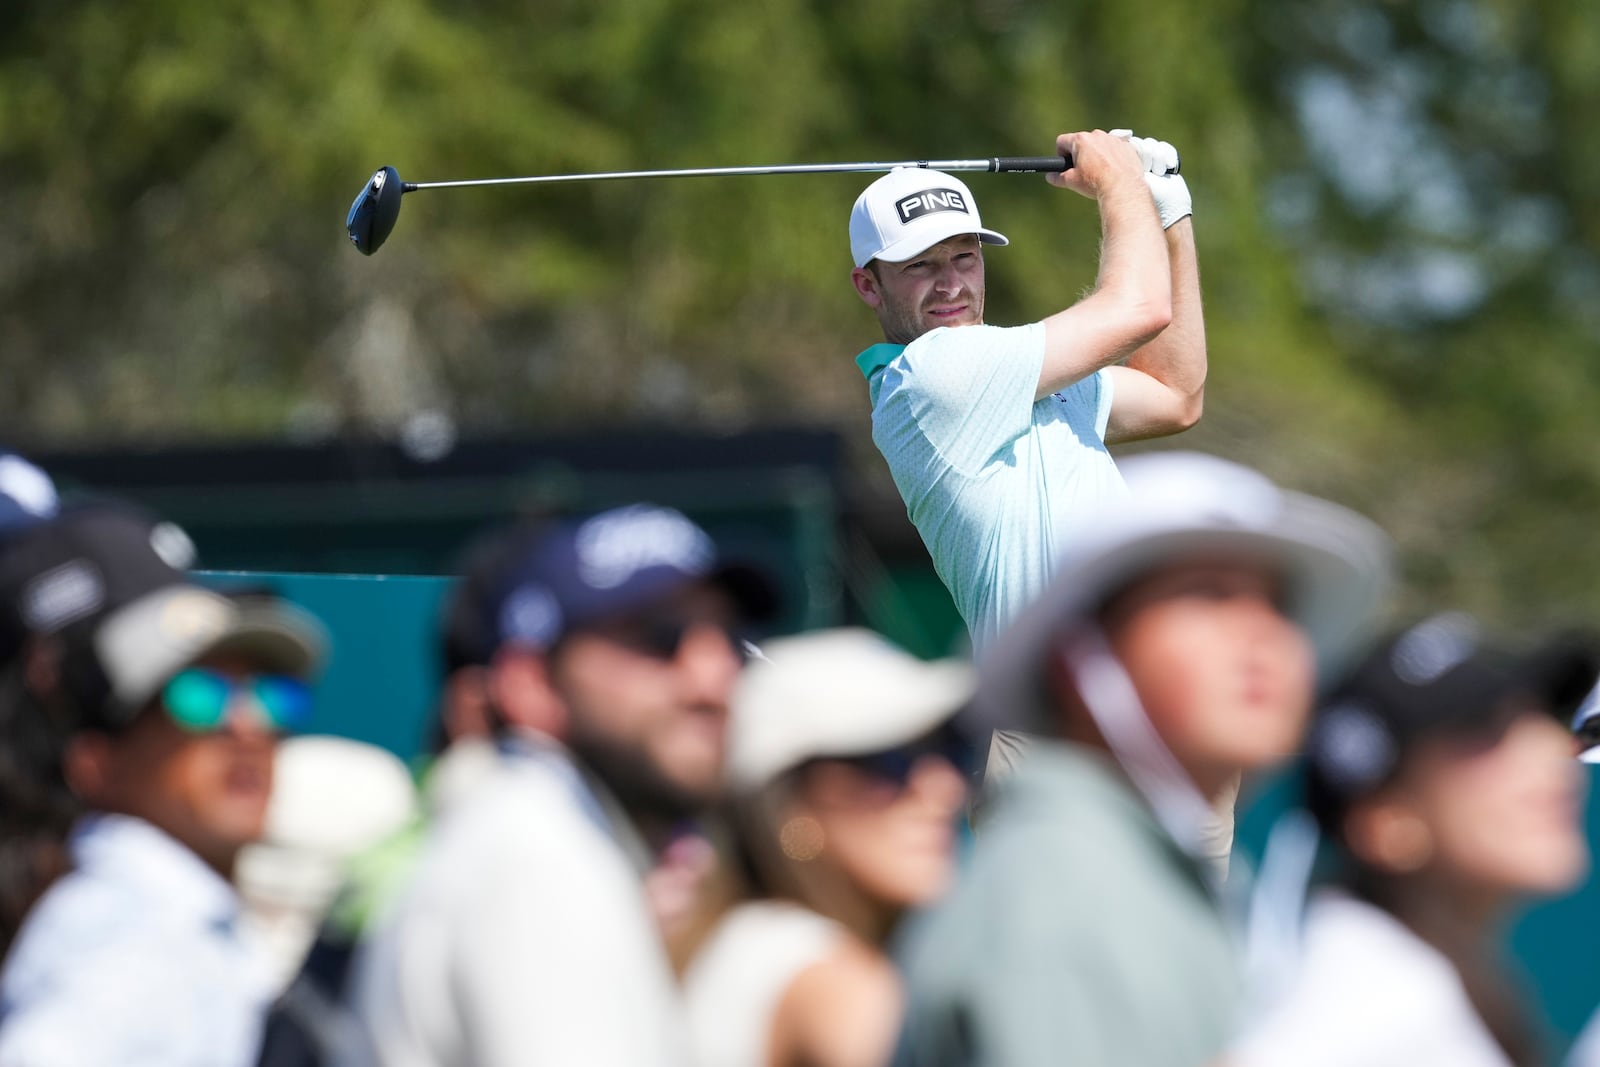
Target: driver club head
pixel 374 211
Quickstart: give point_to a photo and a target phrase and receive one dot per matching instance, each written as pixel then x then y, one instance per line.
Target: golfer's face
pixel 1225 677
pixel 941 287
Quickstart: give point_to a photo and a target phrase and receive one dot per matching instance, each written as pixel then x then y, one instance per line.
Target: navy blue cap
pixel 579 572
pixel 27 495
pixel 469 625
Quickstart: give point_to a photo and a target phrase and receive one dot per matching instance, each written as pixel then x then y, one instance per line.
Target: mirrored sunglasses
pixel 198 699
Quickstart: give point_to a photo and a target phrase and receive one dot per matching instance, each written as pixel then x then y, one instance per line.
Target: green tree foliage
pixel 1394 206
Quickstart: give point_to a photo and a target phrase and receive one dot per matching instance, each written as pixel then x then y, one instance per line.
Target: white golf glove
pixel 1170 191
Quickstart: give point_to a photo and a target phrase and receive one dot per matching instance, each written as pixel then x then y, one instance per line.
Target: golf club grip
pixel 1032 164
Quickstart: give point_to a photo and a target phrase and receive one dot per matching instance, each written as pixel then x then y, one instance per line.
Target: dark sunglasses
pixel 198 699
pixel 661 637
pixel 895 765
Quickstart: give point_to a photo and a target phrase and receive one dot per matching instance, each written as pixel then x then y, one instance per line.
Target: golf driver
pixel 377 206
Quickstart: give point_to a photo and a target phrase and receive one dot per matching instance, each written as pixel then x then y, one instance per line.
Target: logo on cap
pixel 614 546
pixel 62 596
pixel 1353 747
pixel 930 201
pixel 192 616
pixel 1432 648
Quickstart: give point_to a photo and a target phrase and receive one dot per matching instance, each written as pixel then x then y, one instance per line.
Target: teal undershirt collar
pixel 875 358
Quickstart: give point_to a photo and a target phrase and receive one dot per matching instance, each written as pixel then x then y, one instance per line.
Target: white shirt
pixel 525 937
pixel 1368 993
pixel 990 477
pixel 733 987
pixel 135 957
pixel 1585 1051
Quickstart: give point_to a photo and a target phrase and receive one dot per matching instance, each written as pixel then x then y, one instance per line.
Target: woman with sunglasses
pixel 1444 772
pixel 846 784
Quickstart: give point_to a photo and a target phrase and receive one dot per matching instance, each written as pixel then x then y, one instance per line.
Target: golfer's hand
pixel 1167 187
pixel 1100 163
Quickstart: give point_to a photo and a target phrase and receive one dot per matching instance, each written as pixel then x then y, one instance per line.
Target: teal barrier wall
pixel 380 682
pixel 384 666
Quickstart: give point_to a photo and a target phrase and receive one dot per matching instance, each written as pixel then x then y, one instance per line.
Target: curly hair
pixel 37 809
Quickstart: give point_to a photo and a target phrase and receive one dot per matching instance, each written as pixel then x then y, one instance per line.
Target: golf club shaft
pixel 1000 164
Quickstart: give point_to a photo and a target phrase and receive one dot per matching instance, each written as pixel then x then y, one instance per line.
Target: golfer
pixel 996 436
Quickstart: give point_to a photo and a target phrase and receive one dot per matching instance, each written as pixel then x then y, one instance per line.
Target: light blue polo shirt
pixel 990 478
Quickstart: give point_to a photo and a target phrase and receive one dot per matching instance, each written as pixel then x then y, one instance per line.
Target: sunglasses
pixel 895 766
pixel 661 637
pixel 198 699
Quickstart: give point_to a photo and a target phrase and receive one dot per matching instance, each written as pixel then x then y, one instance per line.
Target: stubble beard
pixel 639 785
pixel 902 324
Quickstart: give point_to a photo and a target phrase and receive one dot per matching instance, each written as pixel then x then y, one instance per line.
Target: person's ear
pixel 1388 835
pixel 520 687
pixel 867 288
pixel 468 710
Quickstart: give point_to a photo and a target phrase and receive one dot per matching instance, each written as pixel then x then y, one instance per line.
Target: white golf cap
pixel 1186 505
pixel 333 798
pixel 845 692
pixel 909 210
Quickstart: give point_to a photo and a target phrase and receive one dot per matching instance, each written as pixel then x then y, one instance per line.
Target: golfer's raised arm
pixel 1161 389
pixel 1132 301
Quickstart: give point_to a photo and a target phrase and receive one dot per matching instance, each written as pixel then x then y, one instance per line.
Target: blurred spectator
pixel 1444 770
pixel 1172 650
pixel 172 697
pixel 526 935
pixel 311 1023
pixel 332 798
pixel 36 808
pixel 463 745
pixel 846 781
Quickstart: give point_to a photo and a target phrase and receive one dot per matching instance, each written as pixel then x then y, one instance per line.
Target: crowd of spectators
pixel 651 830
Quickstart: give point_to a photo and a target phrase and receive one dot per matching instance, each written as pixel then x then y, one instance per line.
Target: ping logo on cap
pixel 930 201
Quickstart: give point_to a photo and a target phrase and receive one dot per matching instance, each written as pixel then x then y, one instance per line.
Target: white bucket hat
pixel 909 210
pixel 1181 505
